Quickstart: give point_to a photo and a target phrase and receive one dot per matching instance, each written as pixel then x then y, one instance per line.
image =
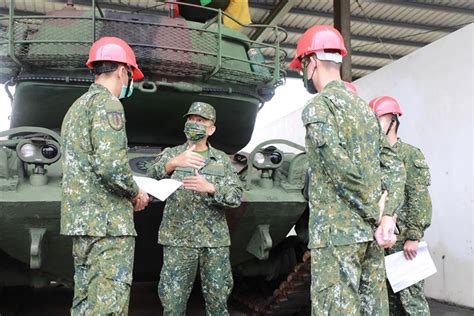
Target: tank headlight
pixel 28 150
pixel 259 158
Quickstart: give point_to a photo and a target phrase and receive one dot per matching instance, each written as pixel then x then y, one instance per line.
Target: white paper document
pixel 160 189
pixel 402 273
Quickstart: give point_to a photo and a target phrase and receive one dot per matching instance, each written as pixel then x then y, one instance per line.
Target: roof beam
pixel 366 38
pixel 361 19
pixel 342 22
pixel 375 55
pixel 354 52
pixel 276 15
pixel 429 6
pixel 394 41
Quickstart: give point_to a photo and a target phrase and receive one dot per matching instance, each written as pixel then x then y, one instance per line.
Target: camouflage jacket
pixel 415 215
pixel 194 219
pixel 97 180
pixel 347 154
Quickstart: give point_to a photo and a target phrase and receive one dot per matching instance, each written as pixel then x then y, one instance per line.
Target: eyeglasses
pixel 305 61
pixel 304 64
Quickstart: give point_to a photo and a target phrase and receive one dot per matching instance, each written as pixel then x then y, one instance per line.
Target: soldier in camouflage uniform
pixel 415 216
pixel 347 152
pixel 194 230
pixel 98 188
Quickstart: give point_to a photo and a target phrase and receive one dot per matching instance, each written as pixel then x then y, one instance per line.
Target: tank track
pixel 291 296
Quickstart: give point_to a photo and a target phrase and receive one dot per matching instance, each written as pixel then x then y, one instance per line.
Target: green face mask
pixel 194 132
pixel 126 91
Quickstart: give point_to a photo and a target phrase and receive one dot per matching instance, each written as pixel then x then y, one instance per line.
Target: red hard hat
pixel 385 105
pixel 318 38
pixel 114 49
pixel 351 87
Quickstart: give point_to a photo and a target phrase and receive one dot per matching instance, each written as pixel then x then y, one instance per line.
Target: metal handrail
pixel 275 67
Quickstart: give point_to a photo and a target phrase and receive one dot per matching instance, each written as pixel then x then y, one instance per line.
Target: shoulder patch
pixel 314 113
pixel 115 120
pixel 114 111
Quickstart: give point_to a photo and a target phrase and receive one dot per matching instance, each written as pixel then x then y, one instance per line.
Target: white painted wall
pixel 280 117
pixel 435 88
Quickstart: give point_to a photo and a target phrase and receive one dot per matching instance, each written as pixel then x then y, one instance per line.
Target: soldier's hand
pixel 384 243
pixel 385 233
pixel 410 249
pixel 198 183
pixel 188 158
pixel 382 205
pixel 140 201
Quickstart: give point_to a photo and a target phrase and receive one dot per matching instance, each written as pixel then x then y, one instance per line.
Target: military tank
pixel 184 60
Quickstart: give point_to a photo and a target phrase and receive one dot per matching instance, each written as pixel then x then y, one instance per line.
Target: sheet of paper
pixel 401 273
pixel 160 189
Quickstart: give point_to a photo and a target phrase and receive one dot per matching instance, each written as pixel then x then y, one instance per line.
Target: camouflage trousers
pixel 103 275
pixel 410 301
pixel 178 273
pixel 348 280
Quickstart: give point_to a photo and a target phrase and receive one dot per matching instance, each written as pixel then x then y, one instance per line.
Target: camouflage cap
pixel 202 109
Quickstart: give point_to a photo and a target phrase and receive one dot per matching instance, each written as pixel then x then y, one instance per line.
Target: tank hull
pixel 27 209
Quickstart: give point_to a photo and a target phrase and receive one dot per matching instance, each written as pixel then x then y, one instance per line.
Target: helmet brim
pixel 295 64
pixel 137 74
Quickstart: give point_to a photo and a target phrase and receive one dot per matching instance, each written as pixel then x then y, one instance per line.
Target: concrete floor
pixel 143 302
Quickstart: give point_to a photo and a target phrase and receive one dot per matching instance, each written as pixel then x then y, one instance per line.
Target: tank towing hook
pixel 36 237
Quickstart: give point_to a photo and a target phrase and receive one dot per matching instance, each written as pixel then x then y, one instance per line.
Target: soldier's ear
pixel 211 129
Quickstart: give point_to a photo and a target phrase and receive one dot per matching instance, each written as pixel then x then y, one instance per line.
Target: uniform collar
pixel 334 84
pixel 212 151
pixel 398 143
pixel 100 88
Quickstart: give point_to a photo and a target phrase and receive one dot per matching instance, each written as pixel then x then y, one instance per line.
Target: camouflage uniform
pixel 348 156
pixel 96 203
pixel 414 218
pixel 194 231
